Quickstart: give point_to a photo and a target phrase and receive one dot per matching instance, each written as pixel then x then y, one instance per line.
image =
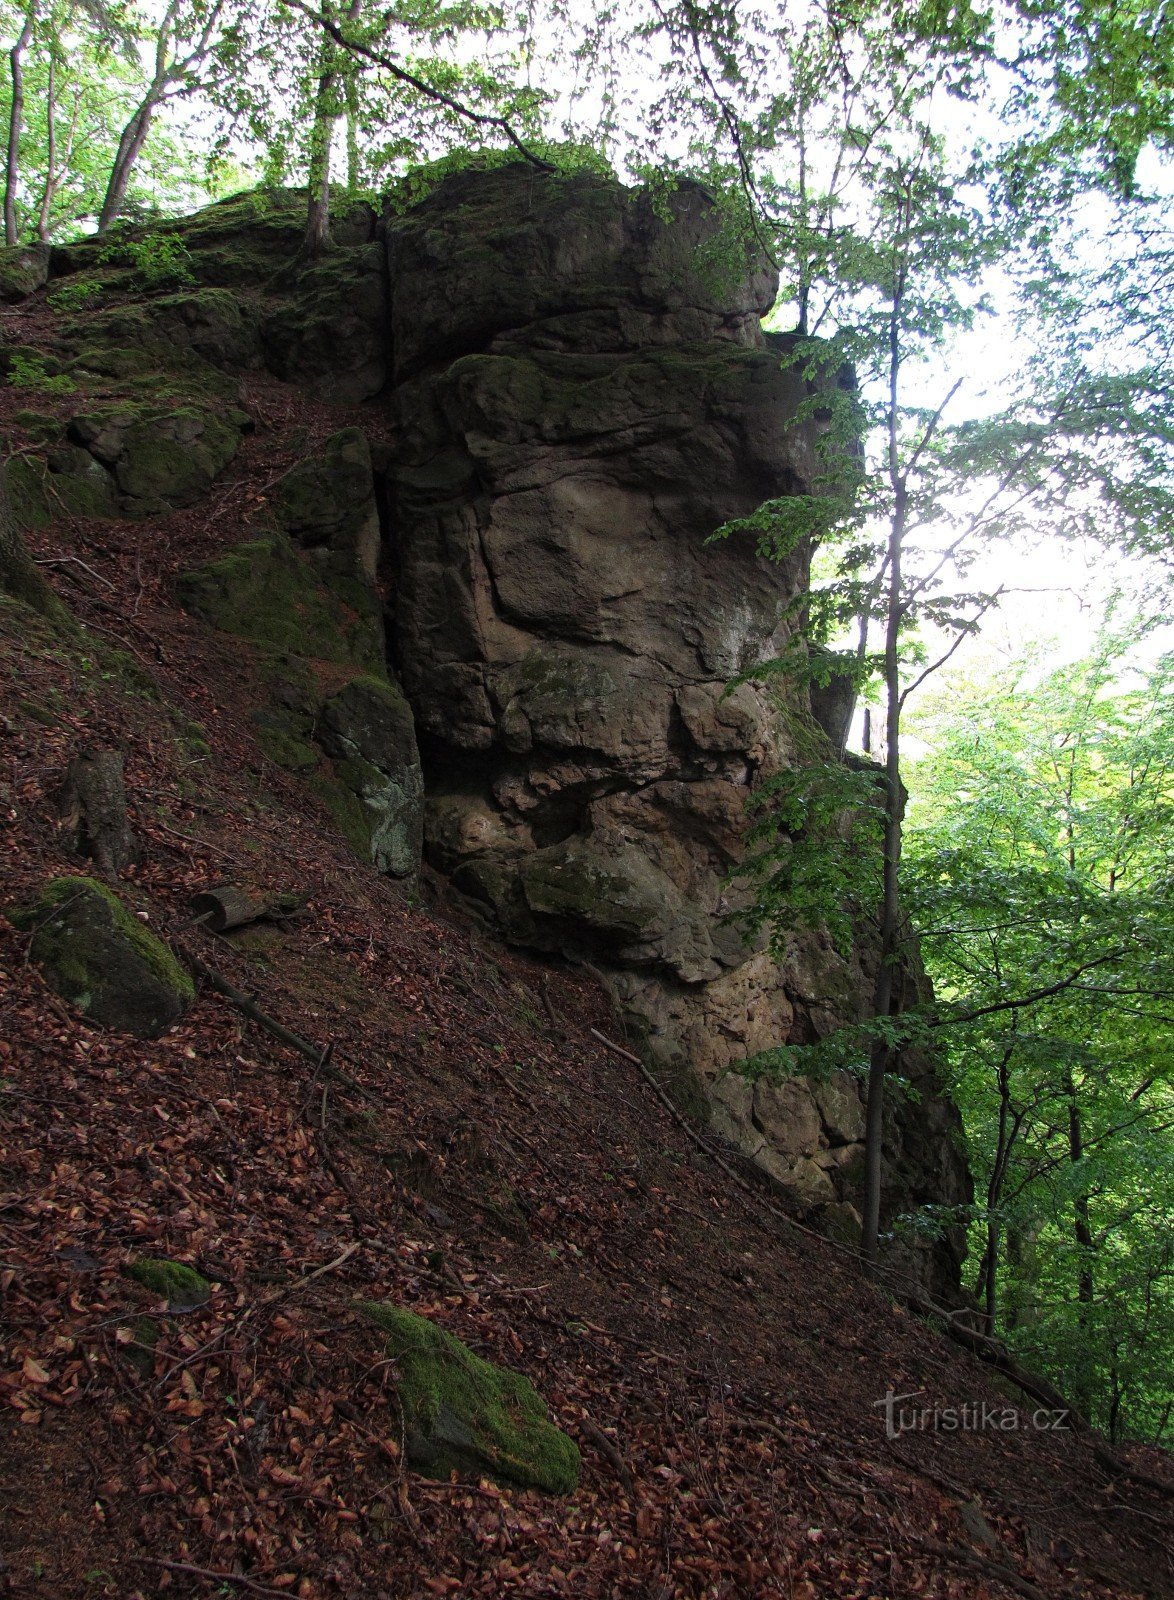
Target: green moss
pixel 101 958
pixel 170 1280
pixel 262 591
pixel 280 735
pixel 464 1414
pixel 347 811
pixel 38 713
pixel 27 478
pixel 145 1333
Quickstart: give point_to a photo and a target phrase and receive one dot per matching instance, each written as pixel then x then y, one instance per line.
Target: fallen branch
pixel 237 1578
pixel 277 1030
pixel 998 1570
pixel 607 1447
pixel 983 1346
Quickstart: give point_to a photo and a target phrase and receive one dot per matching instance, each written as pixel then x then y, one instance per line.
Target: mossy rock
pixel 181 1286
pixel 80 484
pixel 463 1414
pixel 346 810
pixel 140 1352
pixel 24 268
pixel 263 592
pixel 97 955
pixel 160 456
pixel 318 496
pixel 174 458
pixel 329 327
pixel 283 736
pixel 368 731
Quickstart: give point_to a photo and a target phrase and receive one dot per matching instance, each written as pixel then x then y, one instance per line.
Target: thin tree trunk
pixel 15 123
pixel 352 135
pixel 135 133
pixel 51 155
pixel 134 136
pixel 884 1002
pixel 317 240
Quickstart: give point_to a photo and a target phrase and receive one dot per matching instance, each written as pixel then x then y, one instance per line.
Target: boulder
pixel 98 955
pixel 24 268
pixel 327 504
pixel 263 591
pixel 462 1414
pixel 159 457
pixel 329 328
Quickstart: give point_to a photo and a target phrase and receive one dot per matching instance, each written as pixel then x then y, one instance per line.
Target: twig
pixel 998 1570
pixel 320 1057
pixel 266 1301
pixel 237 1578
pixel 607 1448
pixel 60 561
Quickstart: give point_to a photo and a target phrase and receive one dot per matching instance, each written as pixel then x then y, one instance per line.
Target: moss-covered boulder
pixel 211 325
pixel 264 592
pixel 463 1414
pixel 97 955
pixel 367 729
pixel 181 1286
pixel 23 270
pixel 160 456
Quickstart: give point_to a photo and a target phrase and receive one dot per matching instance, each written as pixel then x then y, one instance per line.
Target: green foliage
pixel 75 294
pixel 423 177
pixel 813 856
pixel 158 260
pixel 28 371
pixel 1039 867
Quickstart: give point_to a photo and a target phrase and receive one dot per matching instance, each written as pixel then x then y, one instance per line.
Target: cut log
pixel 230 905
pixel 92 809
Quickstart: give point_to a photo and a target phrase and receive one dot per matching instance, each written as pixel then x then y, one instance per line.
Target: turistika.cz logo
pixel 973 1416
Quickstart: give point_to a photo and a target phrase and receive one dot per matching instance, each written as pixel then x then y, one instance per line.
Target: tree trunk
pixel 92 807
pixel 19 574
pixel 50 188
pixel 230 906
pixel 15 123
pixel 134 136
pixel 884 1001
pixel 317 240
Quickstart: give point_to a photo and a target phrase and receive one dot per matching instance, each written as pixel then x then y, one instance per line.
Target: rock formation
pixel 582 393
pixel 569 390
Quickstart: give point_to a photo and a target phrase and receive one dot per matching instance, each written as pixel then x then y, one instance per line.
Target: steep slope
pixel 470 1151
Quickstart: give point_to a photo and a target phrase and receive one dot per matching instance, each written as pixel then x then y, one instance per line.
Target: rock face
pixel 582 395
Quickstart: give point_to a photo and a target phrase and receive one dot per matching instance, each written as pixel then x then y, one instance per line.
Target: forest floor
pixel 484 1160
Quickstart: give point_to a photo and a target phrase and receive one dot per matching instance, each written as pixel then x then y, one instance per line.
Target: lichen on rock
pixel 462 1414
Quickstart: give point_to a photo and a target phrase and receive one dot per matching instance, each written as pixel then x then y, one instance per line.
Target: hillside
pixel 470 1150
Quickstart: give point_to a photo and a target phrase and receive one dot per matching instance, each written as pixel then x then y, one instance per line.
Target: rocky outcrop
pixel 582 395
pixel 570 391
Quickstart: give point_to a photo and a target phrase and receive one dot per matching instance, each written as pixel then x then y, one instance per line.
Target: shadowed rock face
pixel 581 399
